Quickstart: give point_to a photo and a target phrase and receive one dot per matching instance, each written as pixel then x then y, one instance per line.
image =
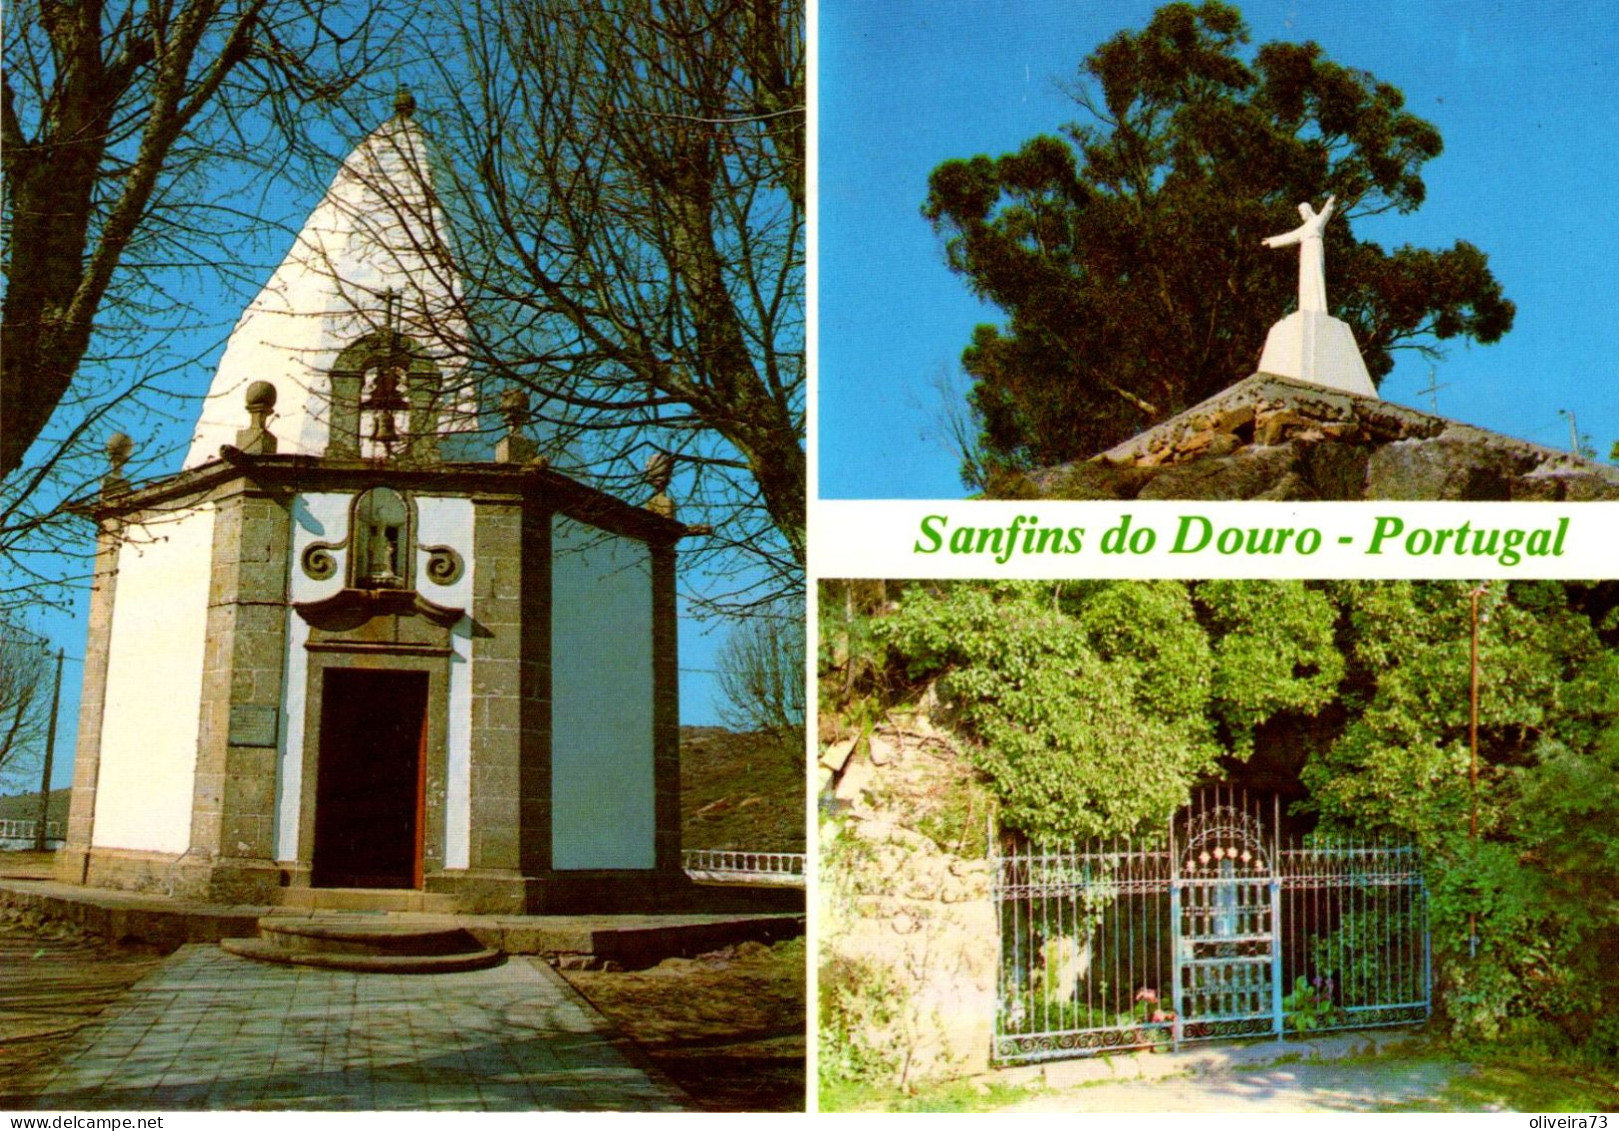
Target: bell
pixel 384 431
pixel 384 400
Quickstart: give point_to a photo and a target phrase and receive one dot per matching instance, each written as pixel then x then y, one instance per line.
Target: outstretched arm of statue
pixel 1313 223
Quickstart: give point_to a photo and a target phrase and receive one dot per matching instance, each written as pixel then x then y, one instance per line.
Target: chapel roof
pixel 372 257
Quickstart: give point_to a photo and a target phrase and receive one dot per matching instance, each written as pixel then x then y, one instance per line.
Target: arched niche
pixel 382 536
pixel 352 377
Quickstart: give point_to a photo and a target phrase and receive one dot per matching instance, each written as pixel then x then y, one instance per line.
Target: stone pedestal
pixel 1309 345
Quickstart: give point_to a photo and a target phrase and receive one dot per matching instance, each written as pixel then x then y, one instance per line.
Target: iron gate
pixel 1221 930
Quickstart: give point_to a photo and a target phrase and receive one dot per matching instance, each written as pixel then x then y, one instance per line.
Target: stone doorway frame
pixel 375 694
pixel 434 663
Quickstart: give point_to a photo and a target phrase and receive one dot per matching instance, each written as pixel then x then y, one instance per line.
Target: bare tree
pixel 25 698
pixel 625 184
pixel 134 137
pixel 959 424
pixel 762 675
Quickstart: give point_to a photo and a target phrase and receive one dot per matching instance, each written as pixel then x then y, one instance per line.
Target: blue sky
pixel 1525 94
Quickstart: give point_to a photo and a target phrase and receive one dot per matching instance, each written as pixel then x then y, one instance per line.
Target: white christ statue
pixel 1312 260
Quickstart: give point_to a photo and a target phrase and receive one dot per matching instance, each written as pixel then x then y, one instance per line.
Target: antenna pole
pixel 50 752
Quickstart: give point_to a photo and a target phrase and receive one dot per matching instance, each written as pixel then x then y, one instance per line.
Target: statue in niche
pixel 1312 257
pixel 381 537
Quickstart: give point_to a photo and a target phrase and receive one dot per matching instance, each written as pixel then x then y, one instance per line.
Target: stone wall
pixel 912 918
pixel 1271 438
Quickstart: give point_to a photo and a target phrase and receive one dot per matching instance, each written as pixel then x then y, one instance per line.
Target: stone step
pixel 353 944
pixel 368 899
pixel 356 936
pixel 262 951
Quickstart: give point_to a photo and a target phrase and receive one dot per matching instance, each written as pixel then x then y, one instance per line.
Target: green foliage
pixel 1522 915
pixel 1150 628
pixel 1505 1082
pixel 1274 651
pixel 1568 812
pixel 1065 727
pixel 958 821
pixel 842 857
pixel 1126 252
pixel 1524 959
pixel 1403 762
pixel 1368 955
pixel 1308 1008
pixel 850 655
pixel 1096 706
pixel 964 1096
pixel 949 1095
pixel 859 1006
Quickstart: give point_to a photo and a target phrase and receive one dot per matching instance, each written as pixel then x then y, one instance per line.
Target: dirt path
pixel 53 982
pixel 728 1027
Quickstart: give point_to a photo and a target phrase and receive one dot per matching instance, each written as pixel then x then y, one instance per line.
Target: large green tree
pixel 1126 251
pixel 1524 909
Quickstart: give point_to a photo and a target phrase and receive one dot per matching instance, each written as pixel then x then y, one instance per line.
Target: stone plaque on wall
pixel 253 726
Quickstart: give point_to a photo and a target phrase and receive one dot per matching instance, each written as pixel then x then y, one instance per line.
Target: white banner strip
pixel 1190 539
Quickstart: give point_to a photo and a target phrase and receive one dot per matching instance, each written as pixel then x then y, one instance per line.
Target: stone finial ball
pixel 260 396
pixel 119 447
pixel 514 407
pixel 660 469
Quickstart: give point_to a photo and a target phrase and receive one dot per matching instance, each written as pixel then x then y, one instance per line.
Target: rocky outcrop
pixel 912 915
pixel 1273 438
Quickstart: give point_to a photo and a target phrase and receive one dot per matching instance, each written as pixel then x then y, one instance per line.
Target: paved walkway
pixel 1408 1086
pixel 1363 1070
pixel 209 1031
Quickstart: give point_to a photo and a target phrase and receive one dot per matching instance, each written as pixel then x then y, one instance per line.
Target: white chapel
pixel 336 661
